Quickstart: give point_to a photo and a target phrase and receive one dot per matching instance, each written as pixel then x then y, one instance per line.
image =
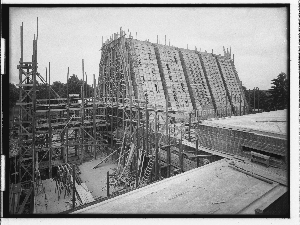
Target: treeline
pixel 275 98
pixel 58 90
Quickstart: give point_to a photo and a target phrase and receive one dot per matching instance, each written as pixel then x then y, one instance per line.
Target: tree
pixel 60 89
pixel 42 91
pixel 74 85
pixel 279 91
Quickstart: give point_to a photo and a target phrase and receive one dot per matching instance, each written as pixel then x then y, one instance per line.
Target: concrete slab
pixel 214 188
pixel 274 121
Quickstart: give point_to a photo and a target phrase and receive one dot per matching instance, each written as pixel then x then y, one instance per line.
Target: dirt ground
pixel 49 202
pixel 95 179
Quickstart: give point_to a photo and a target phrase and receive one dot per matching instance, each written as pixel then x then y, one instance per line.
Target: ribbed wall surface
pixel 145 73
pixel 190 80
pixel 196 81
pixel 175 83
pixel 230 80
pixel 215 80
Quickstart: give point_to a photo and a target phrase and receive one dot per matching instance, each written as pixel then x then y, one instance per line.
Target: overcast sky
pixel 257 37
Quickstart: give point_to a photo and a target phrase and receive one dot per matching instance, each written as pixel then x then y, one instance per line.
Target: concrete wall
pixel 234 141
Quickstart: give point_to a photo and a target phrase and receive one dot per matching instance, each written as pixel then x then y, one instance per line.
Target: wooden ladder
pixel 148 170
pixel 128 163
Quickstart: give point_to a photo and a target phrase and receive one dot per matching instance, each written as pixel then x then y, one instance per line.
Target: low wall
pixel 233 140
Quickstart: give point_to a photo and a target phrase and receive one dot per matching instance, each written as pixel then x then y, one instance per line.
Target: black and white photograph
pixel 148 111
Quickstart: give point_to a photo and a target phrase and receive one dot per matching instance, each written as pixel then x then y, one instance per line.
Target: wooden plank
pixel 21 209
pixel 84 194
pixel 104 159
pixel 24 85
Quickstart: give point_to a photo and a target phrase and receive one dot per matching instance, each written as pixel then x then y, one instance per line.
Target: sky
pixel 257 36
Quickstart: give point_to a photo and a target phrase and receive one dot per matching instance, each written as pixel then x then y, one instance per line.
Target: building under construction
pixel 166 130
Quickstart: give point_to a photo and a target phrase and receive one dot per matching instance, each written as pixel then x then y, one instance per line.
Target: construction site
pixel 166 130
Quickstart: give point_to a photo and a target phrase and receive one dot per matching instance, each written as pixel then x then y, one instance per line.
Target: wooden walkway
pixel 84 193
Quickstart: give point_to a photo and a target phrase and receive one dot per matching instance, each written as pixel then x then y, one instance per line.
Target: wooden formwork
pixel 174 81
pixel 215 82
pixel 145 73
pixel 231 83
pixel 195 78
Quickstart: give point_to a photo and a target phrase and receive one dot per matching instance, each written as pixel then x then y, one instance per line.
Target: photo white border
pixel 294 131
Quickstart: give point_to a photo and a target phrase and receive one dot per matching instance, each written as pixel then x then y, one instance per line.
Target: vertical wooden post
pixel 138 148
pixel 197 151
pixel 82 93
pixel 240 104
pixel 82 124
pixel 73 199
pixel 21 30
pixel 94 117
pixel 156 147
pixel 86 85
pixel 231 105
pixel 226 104
pixel 83 114
pixel 254 99
pixel 258 99
pixel 180 152
pixel 50 131
pixel 107 183
pixel 68 118
pixel 112 124
pixel 167 135
pixel 169 154
pixel 190 121
pixel 147 127
pixel 124 124
pixel 62 150
pixel 76 145
pixel 249 102
pixel 143 134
